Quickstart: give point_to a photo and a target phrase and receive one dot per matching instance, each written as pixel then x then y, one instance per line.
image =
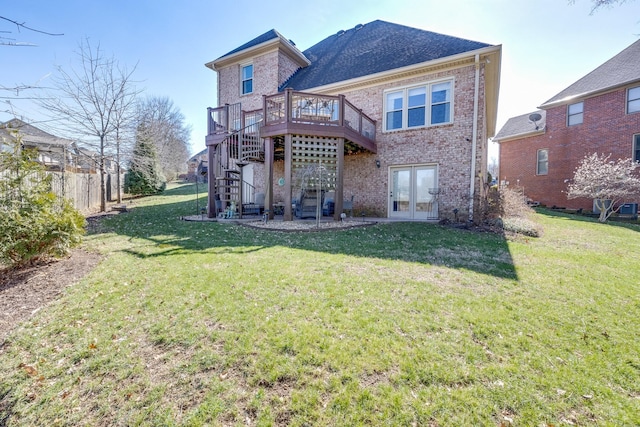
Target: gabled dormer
pixel 256 68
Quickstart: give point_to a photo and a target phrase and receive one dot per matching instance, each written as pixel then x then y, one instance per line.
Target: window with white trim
pixel 633 100
pixel 417 106
pixel 636 148
pixel 542 163
pixel 575 113
pixel 247 79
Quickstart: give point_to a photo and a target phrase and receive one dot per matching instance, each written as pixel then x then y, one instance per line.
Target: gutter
pixel 588 94
pixel 520 135
pixel 474 143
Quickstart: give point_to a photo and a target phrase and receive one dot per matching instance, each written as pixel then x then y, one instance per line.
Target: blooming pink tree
pixel 607 182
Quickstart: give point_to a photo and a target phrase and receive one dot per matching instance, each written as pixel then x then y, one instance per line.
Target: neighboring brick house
pixel 195 165
pixel 598 113
pixel 397 118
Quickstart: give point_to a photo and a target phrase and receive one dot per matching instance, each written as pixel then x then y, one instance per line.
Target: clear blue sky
pixel 547 44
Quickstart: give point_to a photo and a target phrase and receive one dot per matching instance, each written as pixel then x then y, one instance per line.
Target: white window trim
pixel 253 75
pixel 428 104
pixel 538 173
pixel 569 115
pixel 628 101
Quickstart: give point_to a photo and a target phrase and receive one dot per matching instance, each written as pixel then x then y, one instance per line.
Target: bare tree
pixel 94 101
pixel 164 125
pixel 607 182
pixel 124 137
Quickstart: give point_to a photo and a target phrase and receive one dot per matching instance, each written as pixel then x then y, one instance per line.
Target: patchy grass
pixel 395 324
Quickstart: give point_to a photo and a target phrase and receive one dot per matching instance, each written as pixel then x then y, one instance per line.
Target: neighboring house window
pixel 633 100
pixel 575 113
pixel 247 79
pixel 543 162
pixel 417 106
pixel 636 148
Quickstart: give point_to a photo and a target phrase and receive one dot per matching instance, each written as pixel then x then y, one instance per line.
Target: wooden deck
pixel 296 113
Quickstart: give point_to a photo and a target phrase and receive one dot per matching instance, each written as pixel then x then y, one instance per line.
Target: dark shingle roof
pixel 621 69
pixel 372 48
pixel 196 156
pixel 521 126
pixel 30 134
pixel 269 35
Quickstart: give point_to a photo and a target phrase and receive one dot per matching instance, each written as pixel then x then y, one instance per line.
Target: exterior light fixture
pixel 377 163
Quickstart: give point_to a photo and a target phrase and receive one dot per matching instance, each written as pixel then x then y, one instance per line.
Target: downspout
pixel 474 139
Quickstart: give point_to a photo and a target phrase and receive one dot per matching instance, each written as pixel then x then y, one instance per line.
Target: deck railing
pixel 310 108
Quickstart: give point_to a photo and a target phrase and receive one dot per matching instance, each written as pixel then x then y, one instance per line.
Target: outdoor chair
pixel 255 208
pixel 307 204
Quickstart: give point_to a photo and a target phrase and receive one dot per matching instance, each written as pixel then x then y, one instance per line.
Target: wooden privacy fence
pixel 83 189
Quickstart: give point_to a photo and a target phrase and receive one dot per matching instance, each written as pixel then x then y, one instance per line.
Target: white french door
pixel 413 192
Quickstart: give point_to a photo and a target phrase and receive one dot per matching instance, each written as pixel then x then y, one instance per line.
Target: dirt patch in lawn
pixel 26 290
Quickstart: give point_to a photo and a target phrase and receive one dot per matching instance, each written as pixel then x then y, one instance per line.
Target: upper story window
pixel 575 113
pixel 636 148
pixel 542 164
pixel 633 100
pixel 247 79
pixel 424 105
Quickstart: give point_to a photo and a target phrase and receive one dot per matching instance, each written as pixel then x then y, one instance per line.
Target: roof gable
pixel 269 35
pixel 261 44
pixel 621 69
pixel 197 156
pixel 373 48
pixel 522 126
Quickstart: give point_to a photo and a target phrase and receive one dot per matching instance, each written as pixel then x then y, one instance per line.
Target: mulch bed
pixel 25 290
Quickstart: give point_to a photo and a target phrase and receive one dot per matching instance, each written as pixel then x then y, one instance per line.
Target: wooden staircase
pixel 237 149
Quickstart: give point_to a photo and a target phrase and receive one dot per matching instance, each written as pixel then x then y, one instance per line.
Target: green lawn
pixel 195 324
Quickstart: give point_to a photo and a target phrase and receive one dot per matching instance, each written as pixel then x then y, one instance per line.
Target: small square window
pixel 542 167
pixel 633 100
pixel 575 113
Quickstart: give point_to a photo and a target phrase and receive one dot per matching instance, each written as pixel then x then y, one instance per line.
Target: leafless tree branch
pixel 21 25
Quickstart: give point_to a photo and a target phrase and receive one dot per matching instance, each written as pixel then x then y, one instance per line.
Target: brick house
pixel 382 118
pixel 55 153
pixel 195 165
pixel 598 113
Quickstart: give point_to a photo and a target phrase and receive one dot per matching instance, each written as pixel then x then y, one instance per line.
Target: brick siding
pixel 447 146
pixel 606 129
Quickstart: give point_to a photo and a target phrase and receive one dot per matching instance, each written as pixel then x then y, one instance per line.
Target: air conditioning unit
pixel 629 209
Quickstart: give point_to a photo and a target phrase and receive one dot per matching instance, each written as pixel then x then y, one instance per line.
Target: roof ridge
pixel 609 74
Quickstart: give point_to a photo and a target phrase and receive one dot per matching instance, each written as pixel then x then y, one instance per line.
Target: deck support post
pixel 288 175
pixel 268 164
pixel 339 180
pixel 211 181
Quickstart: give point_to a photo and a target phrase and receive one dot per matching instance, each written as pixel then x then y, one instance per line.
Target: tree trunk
pixel 103 191
pixel 118 168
